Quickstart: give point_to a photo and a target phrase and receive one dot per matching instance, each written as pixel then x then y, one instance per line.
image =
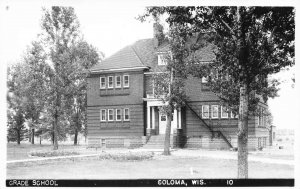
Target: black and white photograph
pixel 148 94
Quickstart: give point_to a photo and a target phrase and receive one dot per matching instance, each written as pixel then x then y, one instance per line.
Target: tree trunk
pixel 18 137
pixel 75 137
pixel 244 98
pixel 243 133
pixel 40 140
pixel 167 135
pixel 55 133
pixel 32 135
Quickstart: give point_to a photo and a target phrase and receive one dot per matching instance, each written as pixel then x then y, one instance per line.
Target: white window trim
pixel 117 115
pixel 212 112
pixel 125 114
pixel 109 114
pixel 204 80
pixel 160 60
pixel 223 111
pixel 117 82
pixel 126 86
pixel 112 82
pixel 202 115
pixel 101 115
pixel 101 87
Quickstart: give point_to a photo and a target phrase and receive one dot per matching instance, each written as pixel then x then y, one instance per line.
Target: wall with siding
pixel 106 97
pixel 134 127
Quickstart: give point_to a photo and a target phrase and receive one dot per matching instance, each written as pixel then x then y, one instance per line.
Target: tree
pixel 250 43
pixel 169 86
pixel 61 32
pixel 84 56
pixel 33 84
pixel 16 101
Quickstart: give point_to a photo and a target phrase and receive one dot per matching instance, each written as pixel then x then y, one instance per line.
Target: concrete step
pixel 157 142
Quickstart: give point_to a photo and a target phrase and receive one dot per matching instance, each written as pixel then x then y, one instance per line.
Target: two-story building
pixel 122 110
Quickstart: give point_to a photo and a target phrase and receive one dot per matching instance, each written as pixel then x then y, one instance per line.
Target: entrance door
pixel 163 123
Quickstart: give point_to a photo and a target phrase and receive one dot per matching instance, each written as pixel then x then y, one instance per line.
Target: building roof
pixel 143 54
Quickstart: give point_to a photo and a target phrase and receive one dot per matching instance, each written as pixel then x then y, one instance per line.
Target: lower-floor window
pixel 110 114
pixel 118 115
pixel 205 111
pixel 126 114
pixel 114 114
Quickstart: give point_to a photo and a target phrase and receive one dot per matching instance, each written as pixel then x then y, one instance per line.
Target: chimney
pixel 158 34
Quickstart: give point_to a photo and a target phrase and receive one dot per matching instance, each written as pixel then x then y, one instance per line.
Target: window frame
pixel 202 113
pixel 101 87
pixel 125 86
pixel 101 115
pixel 116 82
pixel 112 82
pixel 224 111
pixel 117 115
pixel 160 60
pixel 212 111
pixel 108 115
pixel 125 114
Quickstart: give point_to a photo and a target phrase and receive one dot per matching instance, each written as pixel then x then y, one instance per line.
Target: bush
pixel 52 153
pixel 137 156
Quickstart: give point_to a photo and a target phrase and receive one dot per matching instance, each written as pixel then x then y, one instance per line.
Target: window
pixel 118 115
pixel 118 81
pixel 214 111
pixel 205 111
pixel 126 81
pixel 224 112
pixel 232 115
pixel 161 60
pixel 126 114
pixel 102 82
pixel 204 80
pixel 110 82
pixel 102 115
pixel 110 115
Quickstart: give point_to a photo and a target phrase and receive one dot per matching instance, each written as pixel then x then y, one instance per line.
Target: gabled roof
pixel 143 54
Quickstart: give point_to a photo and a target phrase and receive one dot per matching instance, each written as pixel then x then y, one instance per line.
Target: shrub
pixel 52 153
pixel 130 156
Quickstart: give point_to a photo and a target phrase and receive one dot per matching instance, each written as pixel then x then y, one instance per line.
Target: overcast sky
pixel 109 27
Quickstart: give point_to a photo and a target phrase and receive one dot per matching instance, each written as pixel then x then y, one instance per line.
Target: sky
pixel 109 26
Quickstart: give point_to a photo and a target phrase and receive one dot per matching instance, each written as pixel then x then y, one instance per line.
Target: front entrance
pixel 163 123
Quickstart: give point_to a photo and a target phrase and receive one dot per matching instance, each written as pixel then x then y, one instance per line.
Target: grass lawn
pixel 179 165
pixel 166 167
pixel 18 152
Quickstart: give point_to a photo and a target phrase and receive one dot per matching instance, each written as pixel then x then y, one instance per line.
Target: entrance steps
pixel 157 142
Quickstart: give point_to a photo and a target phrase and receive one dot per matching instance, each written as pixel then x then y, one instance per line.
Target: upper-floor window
pixel 126 81
pixel 118 81
pixel 205 111
pixel 110 82
pixel 204 79
pixel 118 115
pixel 161 60
pixel 102 115
pixel 102 82
pixel 126 114
pixel 110 114
pixel 224 112
pixel 214 111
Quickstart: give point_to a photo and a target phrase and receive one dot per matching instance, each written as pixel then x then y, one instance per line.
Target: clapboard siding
pixel 194 126
pixel 194 91
pixel 133 95
pixel 134 127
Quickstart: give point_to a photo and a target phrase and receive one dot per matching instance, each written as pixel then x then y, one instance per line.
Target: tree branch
pixel 227 26
pixel 270 40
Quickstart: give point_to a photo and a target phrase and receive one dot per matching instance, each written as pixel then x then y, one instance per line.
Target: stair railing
pixel 209 127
